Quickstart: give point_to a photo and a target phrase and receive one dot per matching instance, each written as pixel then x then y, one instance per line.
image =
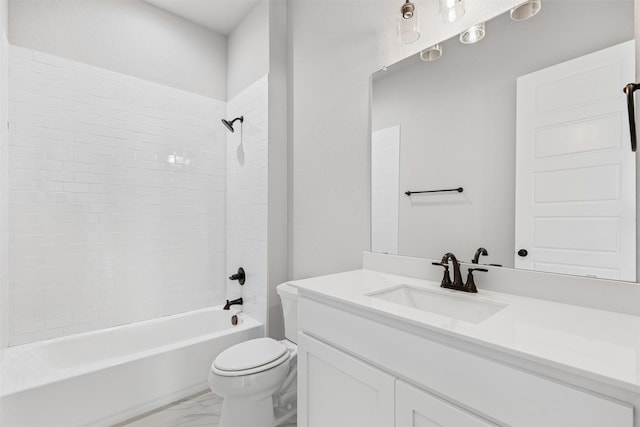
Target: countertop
pixel 598 344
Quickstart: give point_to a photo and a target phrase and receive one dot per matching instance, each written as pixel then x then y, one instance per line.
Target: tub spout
pixel 230 303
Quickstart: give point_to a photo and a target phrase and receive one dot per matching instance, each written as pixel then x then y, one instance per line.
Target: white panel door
pixel 575 173
pixel 417 408
pixel 337 390
pixel 385 184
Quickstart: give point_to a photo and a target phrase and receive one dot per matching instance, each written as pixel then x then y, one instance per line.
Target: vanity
pixel 381 349
pixel 516 147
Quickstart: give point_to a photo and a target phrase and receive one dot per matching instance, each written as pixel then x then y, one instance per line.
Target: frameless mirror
pixel 527 127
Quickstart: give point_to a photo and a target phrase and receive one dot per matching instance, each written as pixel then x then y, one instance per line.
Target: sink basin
pixel 462 307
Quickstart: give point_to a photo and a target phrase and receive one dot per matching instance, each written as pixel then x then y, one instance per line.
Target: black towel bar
pixel 629 90
pixel 459 190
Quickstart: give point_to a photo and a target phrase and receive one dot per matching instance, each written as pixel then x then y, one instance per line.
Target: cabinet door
pixel 337 390
pixel 417 408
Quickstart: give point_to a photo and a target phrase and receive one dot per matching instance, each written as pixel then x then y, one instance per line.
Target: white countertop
pixel 598 344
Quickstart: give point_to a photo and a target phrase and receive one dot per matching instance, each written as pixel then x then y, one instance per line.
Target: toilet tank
pixel 289 297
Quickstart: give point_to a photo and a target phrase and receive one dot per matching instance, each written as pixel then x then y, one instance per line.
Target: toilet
pixel 257 378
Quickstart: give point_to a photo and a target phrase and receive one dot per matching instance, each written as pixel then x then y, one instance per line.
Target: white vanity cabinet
pixel 340 390
pixel 358 368
pixel 417 408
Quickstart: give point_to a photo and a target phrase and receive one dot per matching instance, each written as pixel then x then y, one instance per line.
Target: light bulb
pixel 431 53
pixel 473 34
pixel 526 10
pixel 451 10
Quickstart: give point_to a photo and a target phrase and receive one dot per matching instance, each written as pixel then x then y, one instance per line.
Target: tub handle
pixel 239 276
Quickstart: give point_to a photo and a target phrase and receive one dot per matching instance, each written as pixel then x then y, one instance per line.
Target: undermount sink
pixel 462 307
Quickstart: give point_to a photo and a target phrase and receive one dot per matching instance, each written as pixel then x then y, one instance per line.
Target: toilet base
pixel 244 413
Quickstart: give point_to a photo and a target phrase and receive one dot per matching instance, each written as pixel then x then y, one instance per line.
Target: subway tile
pixel 19 339
pixel 48 334
pixel 93 206
pixel 58 322
pixel 62 176
pixel 20 52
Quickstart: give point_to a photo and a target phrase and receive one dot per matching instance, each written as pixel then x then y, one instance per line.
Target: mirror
pixel 530 123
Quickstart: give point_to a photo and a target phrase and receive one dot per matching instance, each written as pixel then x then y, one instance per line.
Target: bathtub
pixel 104 377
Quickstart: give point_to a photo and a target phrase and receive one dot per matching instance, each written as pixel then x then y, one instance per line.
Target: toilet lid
pixel 249 354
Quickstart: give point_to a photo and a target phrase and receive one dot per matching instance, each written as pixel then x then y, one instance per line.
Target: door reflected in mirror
pixel 531 122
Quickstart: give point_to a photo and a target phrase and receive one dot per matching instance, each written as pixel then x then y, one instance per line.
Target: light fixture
pixel 473 34
pixel 451 10
pixel 431 53
pixel 407 10
pixel 408 31
pixel 526 10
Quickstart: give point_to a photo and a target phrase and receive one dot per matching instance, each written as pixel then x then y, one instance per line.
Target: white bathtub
pixel 104 377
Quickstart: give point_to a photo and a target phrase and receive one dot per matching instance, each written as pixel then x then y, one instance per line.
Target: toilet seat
pixel 250 357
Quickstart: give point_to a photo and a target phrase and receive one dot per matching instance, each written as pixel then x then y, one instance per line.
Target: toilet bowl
pixel 257 378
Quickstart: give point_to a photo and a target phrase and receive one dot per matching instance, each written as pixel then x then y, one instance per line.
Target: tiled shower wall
pixel 116 198
pixel 247 188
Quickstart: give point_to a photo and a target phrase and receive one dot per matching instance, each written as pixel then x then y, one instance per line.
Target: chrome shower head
pixel 229 124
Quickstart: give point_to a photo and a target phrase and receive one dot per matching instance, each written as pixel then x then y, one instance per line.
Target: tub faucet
pixel 230 303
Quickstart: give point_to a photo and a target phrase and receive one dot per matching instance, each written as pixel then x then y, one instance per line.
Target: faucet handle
pixel 446 279
pixel 471 284
pixel 239 276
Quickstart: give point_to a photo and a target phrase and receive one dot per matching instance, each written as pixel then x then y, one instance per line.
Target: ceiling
pixel 221 16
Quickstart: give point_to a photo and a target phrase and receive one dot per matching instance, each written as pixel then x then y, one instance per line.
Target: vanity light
pixel 526 10
pixel 431 53
pixel 473 34
pixel 408 23
pixel 451 10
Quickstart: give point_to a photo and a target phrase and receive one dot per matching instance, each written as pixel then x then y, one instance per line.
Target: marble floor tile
pixel 202 409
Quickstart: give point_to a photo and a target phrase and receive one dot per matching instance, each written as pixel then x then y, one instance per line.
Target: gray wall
pixel 130 37
pixel 278 167
pixel 4 178
pixel 457 117
pixel 248 50
pixel 335 47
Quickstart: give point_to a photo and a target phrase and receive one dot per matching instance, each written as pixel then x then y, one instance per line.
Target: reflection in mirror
pixel 531 122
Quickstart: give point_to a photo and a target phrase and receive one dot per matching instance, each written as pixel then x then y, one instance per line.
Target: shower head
pixel 229 124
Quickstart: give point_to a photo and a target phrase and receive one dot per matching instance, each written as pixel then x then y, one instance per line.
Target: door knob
pixel 523 253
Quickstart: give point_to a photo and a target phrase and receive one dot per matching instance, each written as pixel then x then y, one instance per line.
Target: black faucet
pixel 457 283
pixel 457 276
pixel 476 257
pixel 471 284
pixel 230 303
